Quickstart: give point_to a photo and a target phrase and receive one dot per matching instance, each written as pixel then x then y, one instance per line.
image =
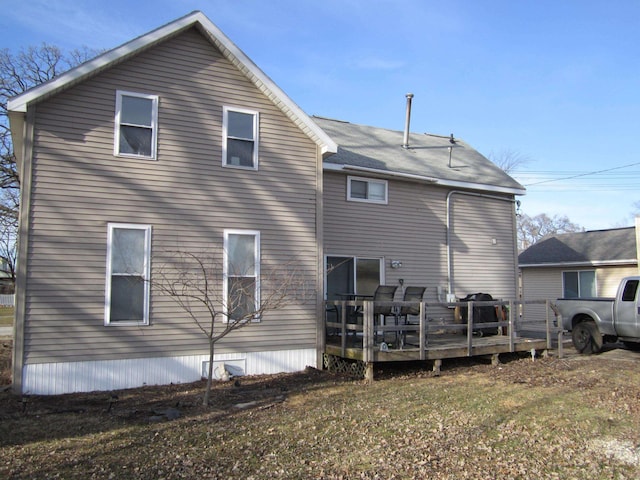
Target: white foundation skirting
pixel 89 376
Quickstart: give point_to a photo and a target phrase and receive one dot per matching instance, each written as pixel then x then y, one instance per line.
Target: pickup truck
pixel 595 321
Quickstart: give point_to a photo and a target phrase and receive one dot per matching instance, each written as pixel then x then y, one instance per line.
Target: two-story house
pixel 178 141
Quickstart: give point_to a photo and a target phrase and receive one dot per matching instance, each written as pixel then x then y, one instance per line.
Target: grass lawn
pixel 554 418
pixel 6 316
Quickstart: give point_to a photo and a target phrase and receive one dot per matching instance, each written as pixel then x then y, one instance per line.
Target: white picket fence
pixel 7 300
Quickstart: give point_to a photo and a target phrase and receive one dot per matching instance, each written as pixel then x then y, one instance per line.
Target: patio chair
pixel 384 293
pixel 411 294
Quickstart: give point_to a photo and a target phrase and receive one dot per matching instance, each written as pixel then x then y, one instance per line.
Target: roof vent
pixel 405 143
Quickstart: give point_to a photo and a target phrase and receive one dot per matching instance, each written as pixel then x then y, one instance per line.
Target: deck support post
pixel 548 326
pixel 368 372
pixel 560 343
pixel 423 331
pixel 495 359
pixel 470 320
pixel 437 365
pixel 511 328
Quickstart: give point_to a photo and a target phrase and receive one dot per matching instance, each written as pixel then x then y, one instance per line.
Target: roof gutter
pixel 338 167
pixel 594 263
pixel 480 186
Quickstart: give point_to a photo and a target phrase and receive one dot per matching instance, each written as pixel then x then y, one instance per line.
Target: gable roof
pixel 597 247
pixel 18 105
pixel 379 151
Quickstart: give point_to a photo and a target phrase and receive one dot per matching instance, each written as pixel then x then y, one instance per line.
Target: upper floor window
pixel 128 269
pixel 136 128
pixel 367 190
pixel 579 284
pixel 240 142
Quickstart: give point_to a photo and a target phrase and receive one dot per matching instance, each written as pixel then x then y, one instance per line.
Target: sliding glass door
pixel 351 276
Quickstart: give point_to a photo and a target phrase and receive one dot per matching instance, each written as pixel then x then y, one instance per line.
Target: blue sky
pixel 555 81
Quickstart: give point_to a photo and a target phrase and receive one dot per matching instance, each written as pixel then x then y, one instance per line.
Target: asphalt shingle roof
pixel 427 156
pixel 597 246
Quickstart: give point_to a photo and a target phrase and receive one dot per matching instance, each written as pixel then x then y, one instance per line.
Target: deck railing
pixel 353 325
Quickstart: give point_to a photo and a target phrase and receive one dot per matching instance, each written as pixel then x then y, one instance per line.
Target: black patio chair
pixel 384 293
pixel 411 294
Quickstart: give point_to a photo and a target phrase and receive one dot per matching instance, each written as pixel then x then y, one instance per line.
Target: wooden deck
pixel 371 342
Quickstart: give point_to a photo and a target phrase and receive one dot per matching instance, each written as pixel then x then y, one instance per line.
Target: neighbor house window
pixel 136 128
pixel 240 142
pixel 128 267
pixel 366 190
pixel 579 284
pixel 241 274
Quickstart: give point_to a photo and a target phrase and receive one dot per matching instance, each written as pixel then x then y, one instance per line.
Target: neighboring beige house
pixel 578 265
pixel 177 140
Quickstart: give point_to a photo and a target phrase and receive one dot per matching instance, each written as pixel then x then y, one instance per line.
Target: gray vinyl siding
pixel 187 197
pixel 412 228
pixel 539 284
pixel 409 228
pixel 482 236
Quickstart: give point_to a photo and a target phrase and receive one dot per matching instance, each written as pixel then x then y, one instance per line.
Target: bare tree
pixel 195 282
pixel 508 160
pixel 8 236
pixel 18 73
pixel 533 229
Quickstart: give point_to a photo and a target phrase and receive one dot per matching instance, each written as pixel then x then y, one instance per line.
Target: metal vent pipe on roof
pixel 405 143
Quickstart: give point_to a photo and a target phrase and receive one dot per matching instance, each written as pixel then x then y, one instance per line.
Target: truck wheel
pixel 585 337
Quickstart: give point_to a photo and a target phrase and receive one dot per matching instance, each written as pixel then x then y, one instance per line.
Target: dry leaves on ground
pixel 548 418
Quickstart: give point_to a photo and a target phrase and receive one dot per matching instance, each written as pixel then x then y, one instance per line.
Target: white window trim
pixel 146 272
pixel 225 123
pixel 154 125
pixel 225 268
pixel 368 180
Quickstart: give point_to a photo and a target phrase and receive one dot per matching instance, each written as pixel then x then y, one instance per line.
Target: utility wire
pixel 581 175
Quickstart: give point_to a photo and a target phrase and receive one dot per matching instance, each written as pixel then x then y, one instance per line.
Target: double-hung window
pixel 241 274
pixel 367 190
pixel 579 284
pixel 136 125
pixel 128 267
pixel 240 142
